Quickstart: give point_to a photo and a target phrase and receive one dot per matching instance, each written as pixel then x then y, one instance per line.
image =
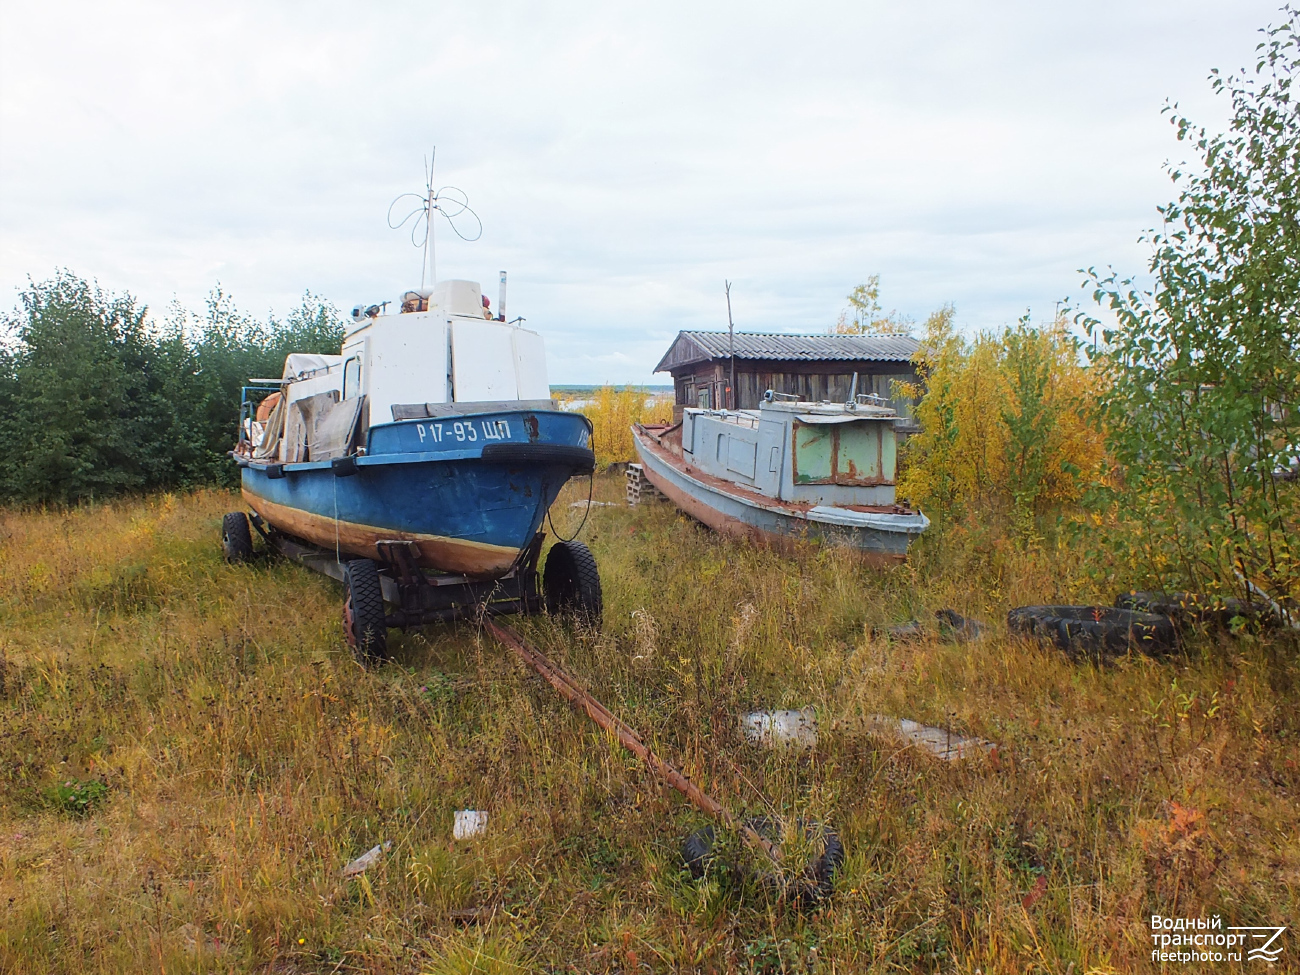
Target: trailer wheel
pixel 815 882
pixel 572 582
pixel 236 539
pixel 363 612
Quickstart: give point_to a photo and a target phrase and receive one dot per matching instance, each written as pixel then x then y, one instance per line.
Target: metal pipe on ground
pixel 579 697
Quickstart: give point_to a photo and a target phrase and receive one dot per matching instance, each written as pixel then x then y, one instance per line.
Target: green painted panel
pixel 888 452
pixel 813 451
pixel 859 454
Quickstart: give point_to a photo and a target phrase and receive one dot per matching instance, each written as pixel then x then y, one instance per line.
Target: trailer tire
pixel 1095 631
pixel 363 612
pixel 236 539
pixel 571 583
pixel 815 882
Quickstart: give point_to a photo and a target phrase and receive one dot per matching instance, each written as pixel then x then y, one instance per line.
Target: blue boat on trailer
pixel 417 467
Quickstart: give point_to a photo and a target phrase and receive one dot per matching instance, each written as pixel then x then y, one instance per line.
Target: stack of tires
pixel 1147 622
pixel 1095 632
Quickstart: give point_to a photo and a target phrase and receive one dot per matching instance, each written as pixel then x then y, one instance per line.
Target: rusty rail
pixel 579 697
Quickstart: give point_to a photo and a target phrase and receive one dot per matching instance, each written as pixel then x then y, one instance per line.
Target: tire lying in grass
pixel 572 583
pixel 363 612
pixel 1095 630
pixel 816 880
pixel 236 538
pixel 1190 609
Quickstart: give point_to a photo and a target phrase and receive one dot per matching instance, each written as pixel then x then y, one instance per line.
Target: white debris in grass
pixel 939 742
pixel 469 824
pixel 367 860
pixel 785 728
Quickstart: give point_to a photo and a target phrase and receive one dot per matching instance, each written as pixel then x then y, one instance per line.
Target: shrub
pixel 1206 365
pixel 1006 428
pixel 613 411
pixel 96 400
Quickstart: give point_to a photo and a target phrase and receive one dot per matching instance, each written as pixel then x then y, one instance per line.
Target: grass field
pixel 189 756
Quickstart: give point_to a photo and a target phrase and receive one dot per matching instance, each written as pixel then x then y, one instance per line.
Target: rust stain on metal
pixel 579 697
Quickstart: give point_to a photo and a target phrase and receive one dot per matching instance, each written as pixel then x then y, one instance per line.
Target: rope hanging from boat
pixel 591 484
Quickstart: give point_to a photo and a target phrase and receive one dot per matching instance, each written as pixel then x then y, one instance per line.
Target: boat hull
pixel 881 536
pixel 469 506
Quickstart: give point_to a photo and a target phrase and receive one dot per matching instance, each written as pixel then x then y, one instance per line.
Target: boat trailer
pixel 421 598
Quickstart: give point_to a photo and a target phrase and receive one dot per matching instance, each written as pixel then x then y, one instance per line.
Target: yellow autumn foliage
pixel 1008 422
pixel 612 412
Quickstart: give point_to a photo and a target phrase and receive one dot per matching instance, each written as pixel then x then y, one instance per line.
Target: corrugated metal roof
pixel 691 347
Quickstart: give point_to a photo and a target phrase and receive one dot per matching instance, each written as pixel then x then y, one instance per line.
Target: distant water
pixel 659 390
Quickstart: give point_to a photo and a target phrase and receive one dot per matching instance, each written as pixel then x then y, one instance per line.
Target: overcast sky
pixel 624 158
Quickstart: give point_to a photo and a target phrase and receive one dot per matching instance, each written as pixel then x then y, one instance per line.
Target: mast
pixel 430 251
pixel 731 343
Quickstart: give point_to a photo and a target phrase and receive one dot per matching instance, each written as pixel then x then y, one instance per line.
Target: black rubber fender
pixel 1096 630
pixel 579 460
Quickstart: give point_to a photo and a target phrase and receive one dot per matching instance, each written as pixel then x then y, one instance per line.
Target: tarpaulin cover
pixel 300 363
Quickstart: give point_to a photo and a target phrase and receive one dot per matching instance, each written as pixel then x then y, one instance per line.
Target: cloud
pixel 624 159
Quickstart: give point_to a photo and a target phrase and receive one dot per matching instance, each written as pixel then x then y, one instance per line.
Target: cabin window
pixel 843 453
pixel 352 377
pixel 704 399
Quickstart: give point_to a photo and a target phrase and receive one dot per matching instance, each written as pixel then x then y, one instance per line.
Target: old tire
pixel 1189 608
pixel 363 612
pixel 571 583
pixel 1095 631
pixel 816 880
pixel 697 851
pixel 236 538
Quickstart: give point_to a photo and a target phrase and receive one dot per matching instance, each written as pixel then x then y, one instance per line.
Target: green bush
pixel 97 399
pixel 1205 367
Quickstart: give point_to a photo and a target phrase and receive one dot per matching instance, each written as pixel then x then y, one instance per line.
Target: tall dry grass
pixel 246 759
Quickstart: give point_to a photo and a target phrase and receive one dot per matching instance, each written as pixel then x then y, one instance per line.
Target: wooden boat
pixel 787 470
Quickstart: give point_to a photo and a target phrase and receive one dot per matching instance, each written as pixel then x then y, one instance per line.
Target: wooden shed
pixel 812 367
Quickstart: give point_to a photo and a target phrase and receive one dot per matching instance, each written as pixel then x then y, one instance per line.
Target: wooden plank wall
pixel 753 379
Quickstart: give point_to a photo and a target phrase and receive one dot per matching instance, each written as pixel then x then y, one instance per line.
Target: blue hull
pixel 469 491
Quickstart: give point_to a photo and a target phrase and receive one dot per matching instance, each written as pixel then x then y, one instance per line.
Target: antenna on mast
pixel 450 201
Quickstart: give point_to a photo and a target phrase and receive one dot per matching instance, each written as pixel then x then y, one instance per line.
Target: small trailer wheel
pixel 236 539
pixel 363 612
pixel 572 582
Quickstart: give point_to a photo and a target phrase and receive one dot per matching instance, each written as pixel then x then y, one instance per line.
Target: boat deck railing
pixel 745 418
